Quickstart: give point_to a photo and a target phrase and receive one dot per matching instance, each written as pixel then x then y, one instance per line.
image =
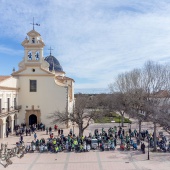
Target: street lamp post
pixel 130 131
pixel 148 148
pixel 73 128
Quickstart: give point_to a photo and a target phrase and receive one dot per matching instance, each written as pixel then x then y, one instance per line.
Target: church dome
pixel 54 63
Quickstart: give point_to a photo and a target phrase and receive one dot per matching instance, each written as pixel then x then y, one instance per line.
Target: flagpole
pixel 33 23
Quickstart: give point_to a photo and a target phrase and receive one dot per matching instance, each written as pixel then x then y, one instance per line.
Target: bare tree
pixel 80 115
pixel 144 91
pixel 126 91
pixel 118 90
pixel 135 95
pixel 120 105
pixel 155 82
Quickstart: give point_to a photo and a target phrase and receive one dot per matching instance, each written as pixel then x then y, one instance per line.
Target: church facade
pixel 38 88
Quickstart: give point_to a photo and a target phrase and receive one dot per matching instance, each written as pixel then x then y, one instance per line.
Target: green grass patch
pixel 111 117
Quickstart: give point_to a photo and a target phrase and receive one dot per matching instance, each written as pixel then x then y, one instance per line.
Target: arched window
pixel 33 40
pixel 30 55
pixel 37 55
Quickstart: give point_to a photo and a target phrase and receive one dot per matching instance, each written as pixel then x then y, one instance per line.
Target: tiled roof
pixel 4 77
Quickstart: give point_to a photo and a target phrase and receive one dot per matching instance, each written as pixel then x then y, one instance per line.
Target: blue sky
pixel 94 40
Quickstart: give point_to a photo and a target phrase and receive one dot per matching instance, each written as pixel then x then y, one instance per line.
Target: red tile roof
pixel 4 78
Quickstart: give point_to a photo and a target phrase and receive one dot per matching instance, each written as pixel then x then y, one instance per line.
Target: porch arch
pixel 28 113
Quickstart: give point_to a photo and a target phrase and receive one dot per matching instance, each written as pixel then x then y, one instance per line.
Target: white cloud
pixel 10 51
pixel 94 40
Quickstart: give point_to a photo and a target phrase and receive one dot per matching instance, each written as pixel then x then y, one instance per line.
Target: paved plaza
pixel 93 160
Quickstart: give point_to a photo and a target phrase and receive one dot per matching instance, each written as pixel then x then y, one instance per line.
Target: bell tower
pixel 33 48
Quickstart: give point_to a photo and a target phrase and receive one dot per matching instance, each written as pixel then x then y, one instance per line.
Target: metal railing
pixel 18 107
pixel 10 109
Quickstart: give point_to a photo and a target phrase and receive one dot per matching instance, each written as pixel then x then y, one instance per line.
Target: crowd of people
pixel 104 140
pixel 28 130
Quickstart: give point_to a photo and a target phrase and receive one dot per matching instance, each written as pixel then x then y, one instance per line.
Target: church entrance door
pixel 32 119
pixel 32 116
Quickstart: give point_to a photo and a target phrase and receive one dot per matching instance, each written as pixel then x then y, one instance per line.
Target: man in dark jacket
pixel 21 139
pixel 7 133
pixel 143 147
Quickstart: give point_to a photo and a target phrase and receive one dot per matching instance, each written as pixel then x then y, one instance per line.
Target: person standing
pixel 71 132
pixel 9 129
pixel 35 136
pixel 135 132
pixel 26 131
pixel 115 142
pixel 61 131
pixel 32 128
pixel 46 130
pixel 50 129
pixel 29 131
pixel 116 135
pixel 21 139
pixel 7 133
pixel 123 132
pixel 143 148
pixel 55 127
pixel 58 132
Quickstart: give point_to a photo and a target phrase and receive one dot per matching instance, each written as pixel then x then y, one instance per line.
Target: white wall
pixel 4 94
pixel 49 96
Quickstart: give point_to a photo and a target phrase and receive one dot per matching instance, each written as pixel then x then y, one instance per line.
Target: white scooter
pixel 88 147
pixel 33 148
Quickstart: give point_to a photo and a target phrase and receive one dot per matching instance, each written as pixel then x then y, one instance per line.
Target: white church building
pixel 38 88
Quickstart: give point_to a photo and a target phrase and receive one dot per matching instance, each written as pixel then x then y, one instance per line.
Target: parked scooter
pixel 84 146
pixel 102 146
pixel 41 148
pixel 135 147
pixel 45 148
pixel 162 147
pixel 131 142
pixel 88 147
pixel 168 148
pixel 122 147
pixel 128 146
pixel 112 146
pixel 27 149
pixel 107 146
pixel 81 149
pixel 33 148
pixel 69 148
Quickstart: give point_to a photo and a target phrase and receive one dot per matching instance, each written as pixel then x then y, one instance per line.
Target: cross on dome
pixel 50 50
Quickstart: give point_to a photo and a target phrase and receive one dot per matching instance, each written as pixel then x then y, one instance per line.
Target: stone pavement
pixel 93 160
